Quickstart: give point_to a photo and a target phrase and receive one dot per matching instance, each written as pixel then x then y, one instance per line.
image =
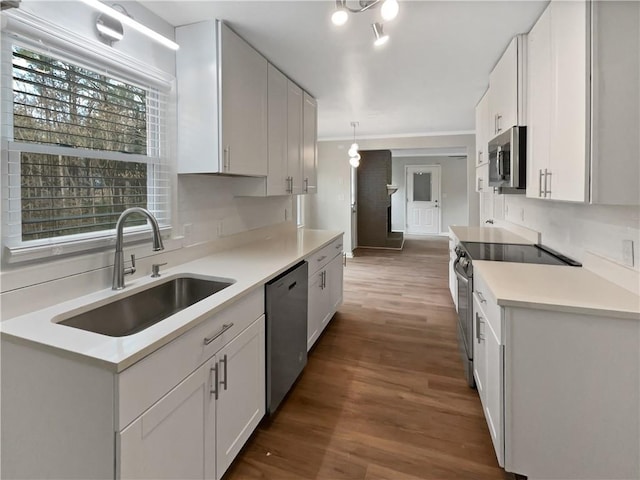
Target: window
pixel 83 147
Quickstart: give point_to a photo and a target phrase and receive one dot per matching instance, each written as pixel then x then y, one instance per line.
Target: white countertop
pixel 487 234
pixel 557 288
pixel 251 266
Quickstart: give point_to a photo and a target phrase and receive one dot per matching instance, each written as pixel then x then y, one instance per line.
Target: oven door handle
pixel 459 273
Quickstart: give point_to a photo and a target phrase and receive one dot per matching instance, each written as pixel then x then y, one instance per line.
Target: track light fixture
pixel 388 11
pixel 381 38
pixel 354 156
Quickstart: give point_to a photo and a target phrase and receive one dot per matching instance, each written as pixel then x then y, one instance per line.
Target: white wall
pixel 573 229
pixel 453 202
pixel 330 208
pixel 205 204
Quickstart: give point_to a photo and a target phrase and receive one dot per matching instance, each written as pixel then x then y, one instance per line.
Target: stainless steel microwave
pixel 508 161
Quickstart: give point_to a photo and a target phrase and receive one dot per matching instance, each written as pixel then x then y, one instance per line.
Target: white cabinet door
pixel 482 129
pixel 482 140
pixel 294 137
pixel 243 103
pixel 557 104
pixel 493 390
pixel 310 142
pixel 503 91
pixel 277 127
pixel 171 439
pixel 241 393
pixel 479 351
pixel 315 307
pixel 334 286
pixel 568 178
pixel 538 104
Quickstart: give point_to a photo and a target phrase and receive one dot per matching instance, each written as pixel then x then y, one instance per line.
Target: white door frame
pixel 406 195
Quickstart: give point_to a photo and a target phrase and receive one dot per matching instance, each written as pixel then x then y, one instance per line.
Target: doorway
pixel 423 205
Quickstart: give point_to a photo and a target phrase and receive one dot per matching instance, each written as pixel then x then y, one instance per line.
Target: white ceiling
pixel 425 80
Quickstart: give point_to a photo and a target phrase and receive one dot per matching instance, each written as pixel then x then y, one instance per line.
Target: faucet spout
pixel 118 264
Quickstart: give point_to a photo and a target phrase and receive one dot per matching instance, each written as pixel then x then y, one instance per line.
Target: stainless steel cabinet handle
pixel 223 383
pixel 540 191
pixel 547 183
pixel 322 258
pixel 344 257
pixel 481 297
pixel 339 246
pixel 479 322
pixel 224 328
pixel 479 157
pixel 498 127
pixel 214 384
pixel 306 185
pixel 225 161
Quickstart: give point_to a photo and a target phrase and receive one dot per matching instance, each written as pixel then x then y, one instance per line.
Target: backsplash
pixel 208 209
pixel 573 229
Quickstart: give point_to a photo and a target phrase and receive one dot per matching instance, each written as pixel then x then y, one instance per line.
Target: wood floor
pixel 383 395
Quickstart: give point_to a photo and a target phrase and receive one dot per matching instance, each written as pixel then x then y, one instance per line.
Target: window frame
pixel 160 88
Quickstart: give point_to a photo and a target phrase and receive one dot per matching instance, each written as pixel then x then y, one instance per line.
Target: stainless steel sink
pixel 133 314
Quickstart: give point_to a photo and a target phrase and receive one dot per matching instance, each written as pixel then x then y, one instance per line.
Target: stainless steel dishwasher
pixel 286 332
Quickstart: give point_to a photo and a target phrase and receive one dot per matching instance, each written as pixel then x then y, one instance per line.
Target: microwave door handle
pixel 499 162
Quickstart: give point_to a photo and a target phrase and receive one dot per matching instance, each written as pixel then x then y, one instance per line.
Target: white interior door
pixel 423 199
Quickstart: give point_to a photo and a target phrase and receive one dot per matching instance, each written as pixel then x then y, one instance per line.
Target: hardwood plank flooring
pixel 383 395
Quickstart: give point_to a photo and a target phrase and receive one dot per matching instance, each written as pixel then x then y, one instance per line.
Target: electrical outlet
pixel 627 253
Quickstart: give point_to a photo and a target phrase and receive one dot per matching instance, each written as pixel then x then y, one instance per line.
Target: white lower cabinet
pixel 197 429
pixel 172 438
pixel 241 399
pixel 183 411
pixel 325 288
pixel 559 390
pixel 488 371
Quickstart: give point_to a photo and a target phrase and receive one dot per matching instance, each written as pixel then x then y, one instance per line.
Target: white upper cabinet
pixel 222 102
pixel 277 178
pixel 615 108
pixel 294 137
pixel 482 141
pixel 243 99
pixel 309 144
pixel 506 100
pixel 583 121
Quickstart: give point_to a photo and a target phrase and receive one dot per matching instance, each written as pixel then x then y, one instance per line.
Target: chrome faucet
pixel 118 262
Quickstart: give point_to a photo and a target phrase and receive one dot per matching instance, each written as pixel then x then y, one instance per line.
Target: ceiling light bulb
pixel 381 38
pixel 355 161
pixel 339 17
pixel 389 9
pixel 353 150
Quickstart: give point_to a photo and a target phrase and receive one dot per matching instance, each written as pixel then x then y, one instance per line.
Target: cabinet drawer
pixel 488 305
pixel 141 385
pixel 324 255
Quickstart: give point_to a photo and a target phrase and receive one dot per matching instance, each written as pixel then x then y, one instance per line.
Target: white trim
pixel 49 149
pixel 26 27
pixel 398 135
pixel 77 244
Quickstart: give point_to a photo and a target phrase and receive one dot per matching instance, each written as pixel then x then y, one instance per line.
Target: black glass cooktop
pixel 511 252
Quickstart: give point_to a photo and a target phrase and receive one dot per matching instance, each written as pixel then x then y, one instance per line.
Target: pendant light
pixel 354 156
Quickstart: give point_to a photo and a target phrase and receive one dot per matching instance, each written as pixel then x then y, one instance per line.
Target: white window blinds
pixel 84 146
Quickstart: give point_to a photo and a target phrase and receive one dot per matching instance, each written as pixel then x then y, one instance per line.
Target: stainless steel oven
pixel 465 314
pixel 466 252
